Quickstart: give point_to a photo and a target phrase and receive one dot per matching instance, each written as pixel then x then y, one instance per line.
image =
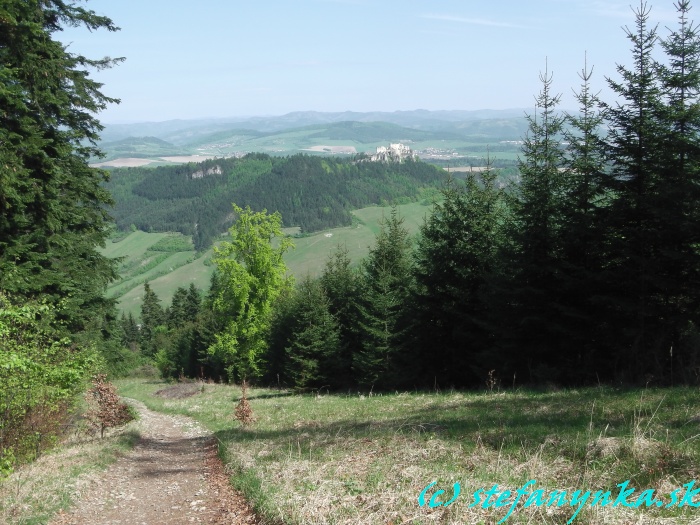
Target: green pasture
pixel 182 268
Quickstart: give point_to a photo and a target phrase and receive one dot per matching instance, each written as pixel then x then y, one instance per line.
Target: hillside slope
pixel 310 192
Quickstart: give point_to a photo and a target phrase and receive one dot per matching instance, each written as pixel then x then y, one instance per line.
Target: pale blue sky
pixel 216 58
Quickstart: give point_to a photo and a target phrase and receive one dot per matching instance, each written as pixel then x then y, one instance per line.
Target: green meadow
pixel 142 259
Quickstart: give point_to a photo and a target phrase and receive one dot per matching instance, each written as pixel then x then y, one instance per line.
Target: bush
pixel 41 372
pixel 105 409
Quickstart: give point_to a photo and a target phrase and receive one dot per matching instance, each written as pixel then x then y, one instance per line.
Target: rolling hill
pixel 447 134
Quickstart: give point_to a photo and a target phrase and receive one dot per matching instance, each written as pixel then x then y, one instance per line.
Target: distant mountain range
pixel 183 131
pixel 445 134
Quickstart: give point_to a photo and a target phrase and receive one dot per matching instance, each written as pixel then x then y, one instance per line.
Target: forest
pixel 585 270
pixel 311 193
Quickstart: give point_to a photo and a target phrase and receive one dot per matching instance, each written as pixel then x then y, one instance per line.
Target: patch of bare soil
pixel 173 476
pixel 180 391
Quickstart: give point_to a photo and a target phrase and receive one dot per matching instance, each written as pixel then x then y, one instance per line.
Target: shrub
pixel 244 413
pixel 105 409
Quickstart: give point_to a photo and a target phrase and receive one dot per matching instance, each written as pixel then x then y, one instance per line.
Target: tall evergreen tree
pixel 387 280
pixel 535 316
pixel 152 317
pixel 637 220
pixel 454 264
pixel 52 204
pixel 343 286
pixel 680 192
pixel 582 235
pixel 313 344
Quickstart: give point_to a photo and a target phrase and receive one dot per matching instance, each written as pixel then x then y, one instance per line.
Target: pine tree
pixel 52 204
pixel 455 261
pixel 535 317
pixel 387 280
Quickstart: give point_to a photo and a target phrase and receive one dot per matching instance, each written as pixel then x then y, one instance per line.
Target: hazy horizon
pixel 305 111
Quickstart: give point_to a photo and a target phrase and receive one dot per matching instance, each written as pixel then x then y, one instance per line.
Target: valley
pixel 166 271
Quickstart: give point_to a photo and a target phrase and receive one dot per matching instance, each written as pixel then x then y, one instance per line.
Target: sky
pixel 239 58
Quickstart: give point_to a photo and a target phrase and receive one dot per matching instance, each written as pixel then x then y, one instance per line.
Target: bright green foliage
pixel 311 192
pixel 455 262
pixel 40 372
pixel 52 204
pixel 314 339
pixel 387 280
pixel 252 274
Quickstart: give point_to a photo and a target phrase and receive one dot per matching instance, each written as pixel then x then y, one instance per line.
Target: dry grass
pixel 37 491
pixel 358 459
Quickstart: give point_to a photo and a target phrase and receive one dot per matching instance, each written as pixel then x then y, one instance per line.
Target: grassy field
pixel 150 257
pixel 360 458
pixel 166 271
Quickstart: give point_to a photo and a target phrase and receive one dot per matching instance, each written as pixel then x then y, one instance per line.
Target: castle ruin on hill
pixel 394 153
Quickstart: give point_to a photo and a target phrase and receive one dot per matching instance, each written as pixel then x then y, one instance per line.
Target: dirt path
pixel 173 476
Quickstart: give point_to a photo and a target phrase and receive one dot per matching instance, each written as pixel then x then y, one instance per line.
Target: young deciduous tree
pixel 252 274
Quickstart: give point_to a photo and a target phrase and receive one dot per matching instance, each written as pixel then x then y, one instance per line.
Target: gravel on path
pixel 173 476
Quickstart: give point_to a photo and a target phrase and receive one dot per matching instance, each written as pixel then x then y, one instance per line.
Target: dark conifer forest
pixel 313 193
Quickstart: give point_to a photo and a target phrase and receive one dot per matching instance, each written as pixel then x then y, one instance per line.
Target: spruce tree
pixel 52 204
pixel 152 317
pixel 313 344
pixel 387 280
pixel 637 263
pixel 343 286
pixel 679 238
pixel 536 332
pixel 454 264
pixel 582 235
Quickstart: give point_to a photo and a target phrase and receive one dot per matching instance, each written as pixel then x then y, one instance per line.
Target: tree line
pixel 313 193
pixel 587 270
